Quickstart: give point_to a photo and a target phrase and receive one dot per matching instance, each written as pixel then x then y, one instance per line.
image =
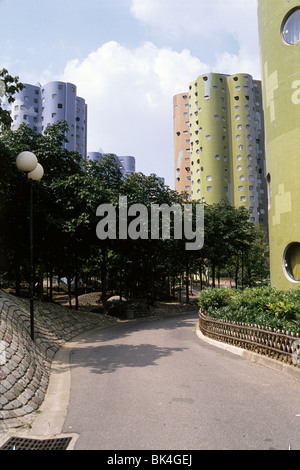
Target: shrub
pixel 215 298
pixel 265 306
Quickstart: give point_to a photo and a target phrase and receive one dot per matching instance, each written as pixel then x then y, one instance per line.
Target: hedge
pixel 265 306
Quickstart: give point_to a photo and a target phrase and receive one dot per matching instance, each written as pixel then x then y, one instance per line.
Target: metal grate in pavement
pixel 23 443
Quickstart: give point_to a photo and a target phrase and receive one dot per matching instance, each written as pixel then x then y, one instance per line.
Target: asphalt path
pixel 157 386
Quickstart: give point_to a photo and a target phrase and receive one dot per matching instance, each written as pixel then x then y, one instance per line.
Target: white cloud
pixel 231 63
pixel 204 20
pixel 198 17
pixel 129 93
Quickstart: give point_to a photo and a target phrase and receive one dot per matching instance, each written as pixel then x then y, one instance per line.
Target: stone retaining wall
pixel 25 365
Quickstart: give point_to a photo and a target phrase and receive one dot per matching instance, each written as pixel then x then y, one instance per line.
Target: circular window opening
pixel 290 29
pixel 292 261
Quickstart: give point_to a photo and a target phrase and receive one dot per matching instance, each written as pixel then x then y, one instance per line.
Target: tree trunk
pixel 201 280
pixel 41 281
pixel 180 289
pixel 104 280
pixel 18 277
pixel 51 284
pixel 76 282
pixel 236 274
pixel 76 290
pixel 69 291
pixel 121 279
pixel 173 286
pixel 151 281
pixel 213 274
pixel 187 292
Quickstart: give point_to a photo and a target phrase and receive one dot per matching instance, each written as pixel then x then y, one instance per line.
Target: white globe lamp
pixel 37 173
pixel 26 161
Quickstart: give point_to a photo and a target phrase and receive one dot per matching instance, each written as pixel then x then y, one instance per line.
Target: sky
pixel 128 58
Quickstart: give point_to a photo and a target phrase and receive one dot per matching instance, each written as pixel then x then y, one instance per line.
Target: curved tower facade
pixel 26 108
pixel 279 33
pixel 95 156
pixel 247 145
pixel 39 106
pixel 126 164
pixel 60 102
pixel 81 125
pixel 227 142
pixel 181 127
pixel 210 171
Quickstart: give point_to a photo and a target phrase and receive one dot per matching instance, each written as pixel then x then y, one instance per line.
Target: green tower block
pixel 279 32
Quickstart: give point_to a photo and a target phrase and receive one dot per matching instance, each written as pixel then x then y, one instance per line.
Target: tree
pixel 256 266
pixel 232 242
pixel 9 86
pixel 76 198
pixel 57 163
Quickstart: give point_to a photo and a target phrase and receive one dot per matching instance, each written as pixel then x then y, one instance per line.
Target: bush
pixel 215 298
pixel 263 306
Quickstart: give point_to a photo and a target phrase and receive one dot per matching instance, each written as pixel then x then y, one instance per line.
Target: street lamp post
pixel 27 162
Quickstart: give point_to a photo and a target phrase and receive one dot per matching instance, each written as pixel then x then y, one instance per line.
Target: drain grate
pixel 23 443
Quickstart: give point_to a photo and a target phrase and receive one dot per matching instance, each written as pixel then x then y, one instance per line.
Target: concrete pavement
pixel 53 404
pixel 34 375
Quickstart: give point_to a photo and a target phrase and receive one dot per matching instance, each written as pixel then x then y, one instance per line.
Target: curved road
pixel 156 385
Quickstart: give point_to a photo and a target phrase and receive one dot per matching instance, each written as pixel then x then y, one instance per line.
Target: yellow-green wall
pixel 208 139
pixel 280 64
pixel 227 142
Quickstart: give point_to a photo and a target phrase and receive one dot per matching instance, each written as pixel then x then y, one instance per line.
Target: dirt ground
pixel 92 301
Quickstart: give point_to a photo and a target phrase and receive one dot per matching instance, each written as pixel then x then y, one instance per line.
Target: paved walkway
pixel 35 377
pixel 25 367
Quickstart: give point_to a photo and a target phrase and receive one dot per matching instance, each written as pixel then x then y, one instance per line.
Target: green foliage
pixel 213 299
pixel 234 244
pixel 11 86
pixel 261 305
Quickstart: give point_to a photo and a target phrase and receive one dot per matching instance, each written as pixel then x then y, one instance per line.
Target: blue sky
pixel 44 35
pixel 128 58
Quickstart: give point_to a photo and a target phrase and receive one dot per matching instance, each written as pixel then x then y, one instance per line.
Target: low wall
pixel 25 365
pixel 24 369
pixel 276 344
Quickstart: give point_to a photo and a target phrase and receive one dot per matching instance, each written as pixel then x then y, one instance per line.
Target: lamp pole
pixel 27 162
pixel 31 281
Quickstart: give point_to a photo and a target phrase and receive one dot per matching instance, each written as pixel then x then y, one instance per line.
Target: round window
pixel 292 261
pixel 291 27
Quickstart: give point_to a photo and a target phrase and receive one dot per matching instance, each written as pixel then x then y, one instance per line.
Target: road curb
pixel 55 405
pixel 286 369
